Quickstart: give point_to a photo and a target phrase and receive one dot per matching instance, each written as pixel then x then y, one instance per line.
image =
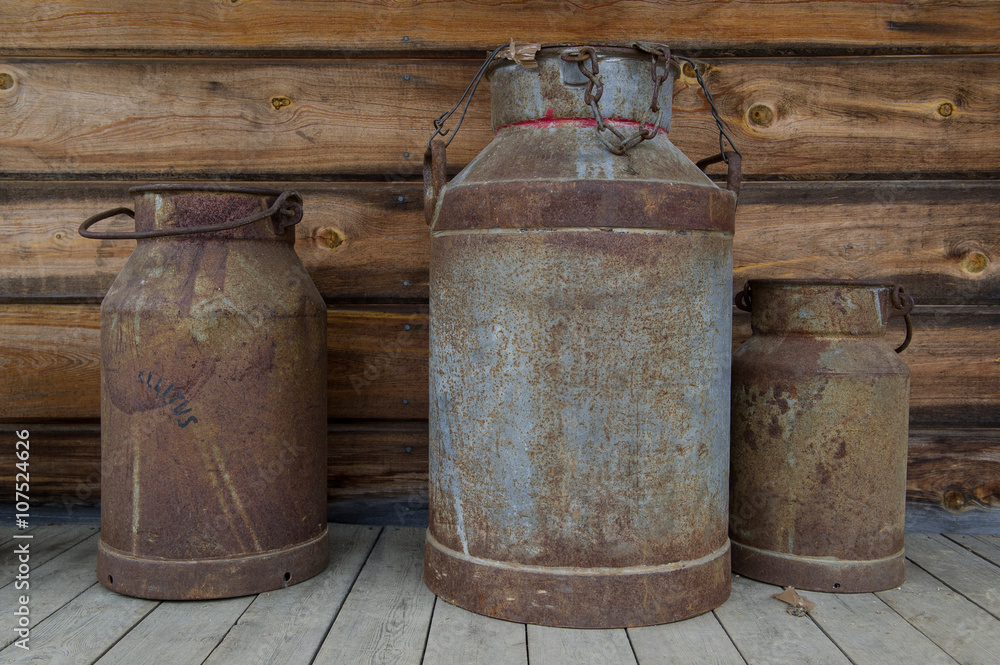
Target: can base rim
pixel 622 598
pixel 814 574
pixel 203 579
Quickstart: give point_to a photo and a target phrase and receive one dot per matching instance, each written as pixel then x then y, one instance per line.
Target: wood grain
pixel 459 636
pixel 962 570
pixel 869 631
pixel 315 27
pixel 954 623
pixel 287 626
pixel 378 368
pixel 697 641
pixel 381 460
pixel 305 119
pixel 958 469
pixel 386 617
pixel 368 242
pixel 764 633
pixel 573 646
pixel 178 632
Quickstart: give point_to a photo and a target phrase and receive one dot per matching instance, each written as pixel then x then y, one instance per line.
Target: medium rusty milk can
pixel 580 339
pixel 820 414
pixel 213 399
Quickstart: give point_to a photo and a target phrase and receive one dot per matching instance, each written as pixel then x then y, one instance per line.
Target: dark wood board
pixel 368 242
pixel 225 27
pixel 170 119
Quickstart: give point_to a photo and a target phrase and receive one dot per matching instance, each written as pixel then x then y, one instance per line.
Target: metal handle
pixel 902 305
pixel 742 299
pixel 734 178
pixel 435 175
pixel 287 209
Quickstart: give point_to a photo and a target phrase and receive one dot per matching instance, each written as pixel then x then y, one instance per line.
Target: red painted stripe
pixel 548 122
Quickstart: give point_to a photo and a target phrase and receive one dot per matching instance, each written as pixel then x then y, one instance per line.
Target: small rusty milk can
pixel 580 342
pixel 213 399
pixel 819 434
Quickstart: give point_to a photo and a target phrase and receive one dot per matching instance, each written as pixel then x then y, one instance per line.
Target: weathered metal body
pixel 213 402
pixel 580 344
pixel 819 432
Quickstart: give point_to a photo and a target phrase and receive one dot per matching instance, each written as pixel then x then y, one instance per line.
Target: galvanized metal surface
pixel 579 372
pixel 819 433
pixel 213 405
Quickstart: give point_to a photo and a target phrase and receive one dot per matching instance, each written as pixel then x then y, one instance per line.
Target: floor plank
pixel 765 633
pixel 967 633
pixel 573 646
pixel 698 641
pixel 386 616
pixel 460 636
pixel 54 583
pixel 82 630
pixel 870 632
pixel 46 543
pixel 970 575
pixel 987 547
pixel 178 632
pixel 286 627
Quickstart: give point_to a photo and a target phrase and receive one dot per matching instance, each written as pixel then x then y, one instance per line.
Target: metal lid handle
pixel 286 209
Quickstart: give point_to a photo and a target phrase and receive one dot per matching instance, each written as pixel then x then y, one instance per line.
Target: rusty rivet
pixel 761 115
pixel 946 109
pixel 975 262
pixel 954 500
pixel 280 102
pixel 330 237
pixel 6 81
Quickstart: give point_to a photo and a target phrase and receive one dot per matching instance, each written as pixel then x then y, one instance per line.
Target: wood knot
pixel 953 500
pixel 280 102
pixel 945 109
pixel 6 81
pixel 975 262
pixel 761 115
pixel 330 238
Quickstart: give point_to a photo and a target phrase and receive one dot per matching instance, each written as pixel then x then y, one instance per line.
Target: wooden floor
pixel 371 606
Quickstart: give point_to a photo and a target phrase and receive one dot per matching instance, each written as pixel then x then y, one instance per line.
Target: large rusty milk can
pixel 820 411
pixel 213 399
pixel 580 340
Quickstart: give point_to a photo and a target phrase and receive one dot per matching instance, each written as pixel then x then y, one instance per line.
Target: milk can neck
pixel 553 92
pixel 854 309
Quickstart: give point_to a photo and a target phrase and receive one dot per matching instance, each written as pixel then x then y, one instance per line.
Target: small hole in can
pixel 288 576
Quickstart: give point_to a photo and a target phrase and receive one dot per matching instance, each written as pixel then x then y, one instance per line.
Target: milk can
pixel 213 399
pixel 820 414
pixel 580 339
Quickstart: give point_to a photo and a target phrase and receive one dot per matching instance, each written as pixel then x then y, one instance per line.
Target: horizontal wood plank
pixel 365 460
pixel 378 363
pixel 306 119
pixel 368 242
pixel 951 470
pixel 419 26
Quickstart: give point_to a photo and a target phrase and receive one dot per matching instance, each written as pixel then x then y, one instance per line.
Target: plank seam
pixel 953 589
pixel 735 645
pixel 891 609
pixel 347 595
pixel 229 630
pixel 971 551
pixel 125 634
pixel 427 635
pixel 830 637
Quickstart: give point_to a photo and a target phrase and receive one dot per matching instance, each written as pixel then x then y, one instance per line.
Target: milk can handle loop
pixel 742 299
pixel 286 209
pixel 902 305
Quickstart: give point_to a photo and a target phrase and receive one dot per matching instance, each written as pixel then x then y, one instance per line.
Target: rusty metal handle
pixel 742 299
pixel 435 175
pixel 902 305
pixel 287 209
pixel 734 177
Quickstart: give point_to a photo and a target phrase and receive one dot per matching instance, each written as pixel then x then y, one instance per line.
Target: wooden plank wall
pixel 869 133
